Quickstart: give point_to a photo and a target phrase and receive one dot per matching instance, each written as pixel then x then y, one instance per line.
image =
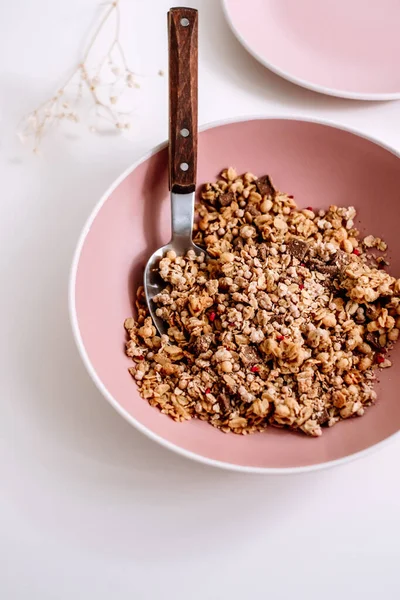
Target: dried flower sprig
pixel 104 84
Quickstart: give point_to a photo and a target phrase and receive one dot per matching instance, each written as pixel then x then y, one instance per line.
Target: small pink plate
pixel 346 48
pixel 320 164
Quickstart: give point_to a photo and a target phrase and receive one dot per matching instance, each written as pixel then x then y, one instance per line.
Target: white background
pixel 89 508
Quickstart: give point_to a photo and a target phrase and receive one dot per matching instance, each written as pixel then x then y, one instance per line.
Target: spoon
pixel 183 65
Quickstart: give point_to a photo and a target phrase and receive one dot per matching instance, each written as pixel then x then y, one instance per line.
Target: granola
pixel 285 327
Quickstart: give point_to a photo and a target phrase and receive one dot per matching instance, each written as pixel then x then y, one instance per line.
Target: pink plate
pixel 346 48
pixel 321 165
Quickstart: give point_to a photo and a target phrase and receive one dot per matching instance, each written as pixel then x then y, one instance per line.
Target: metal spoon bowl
pixel 182 212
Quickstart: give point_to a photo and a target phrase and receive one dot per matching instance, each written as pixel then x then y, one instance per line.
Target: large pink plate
pixel 321 165
pixel 347 48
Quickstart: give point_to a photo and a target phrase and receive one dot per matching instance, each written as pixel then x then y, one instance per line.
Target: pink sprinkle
pixel 301 286
pixel 291 197
pixel 356 252
pixel 380 359
pixel 280 337
pixel 255 369
pixel 212 316
pixel 309 208
pixel 208 390
pixel 140 357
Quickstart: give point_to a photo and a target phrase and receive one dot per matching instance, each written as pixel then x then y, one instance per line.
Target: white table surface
pixel 89 508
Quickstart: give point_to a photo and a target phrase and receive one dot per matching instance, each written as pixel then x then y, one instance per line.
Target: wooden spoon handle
pixel 183 67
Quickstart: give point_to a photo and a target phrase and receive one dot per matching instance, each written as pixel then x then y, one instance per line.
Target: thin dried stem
pixel 57 108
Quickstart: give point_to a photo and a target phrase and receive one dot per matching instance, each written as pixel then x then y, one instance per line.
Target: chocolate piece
pixel 334 269
pixel 341 261
pixel 331 270
pixel 253 210
pixel 249 356
pixel 226 199
pixel 201 344
pixel 323 417
pixel 319 265
pixel 224 403
pixel 372 311
pixel 265 187
pixel 373 340
pixel 297 248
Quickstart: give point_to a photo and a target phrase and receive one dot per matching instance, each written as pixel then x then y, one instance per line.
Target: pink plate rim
pixel 315 87
pixel 96 379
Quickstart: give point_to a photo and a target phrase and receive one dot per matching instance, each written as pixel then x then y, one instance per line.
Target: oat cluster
pixel 285 326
